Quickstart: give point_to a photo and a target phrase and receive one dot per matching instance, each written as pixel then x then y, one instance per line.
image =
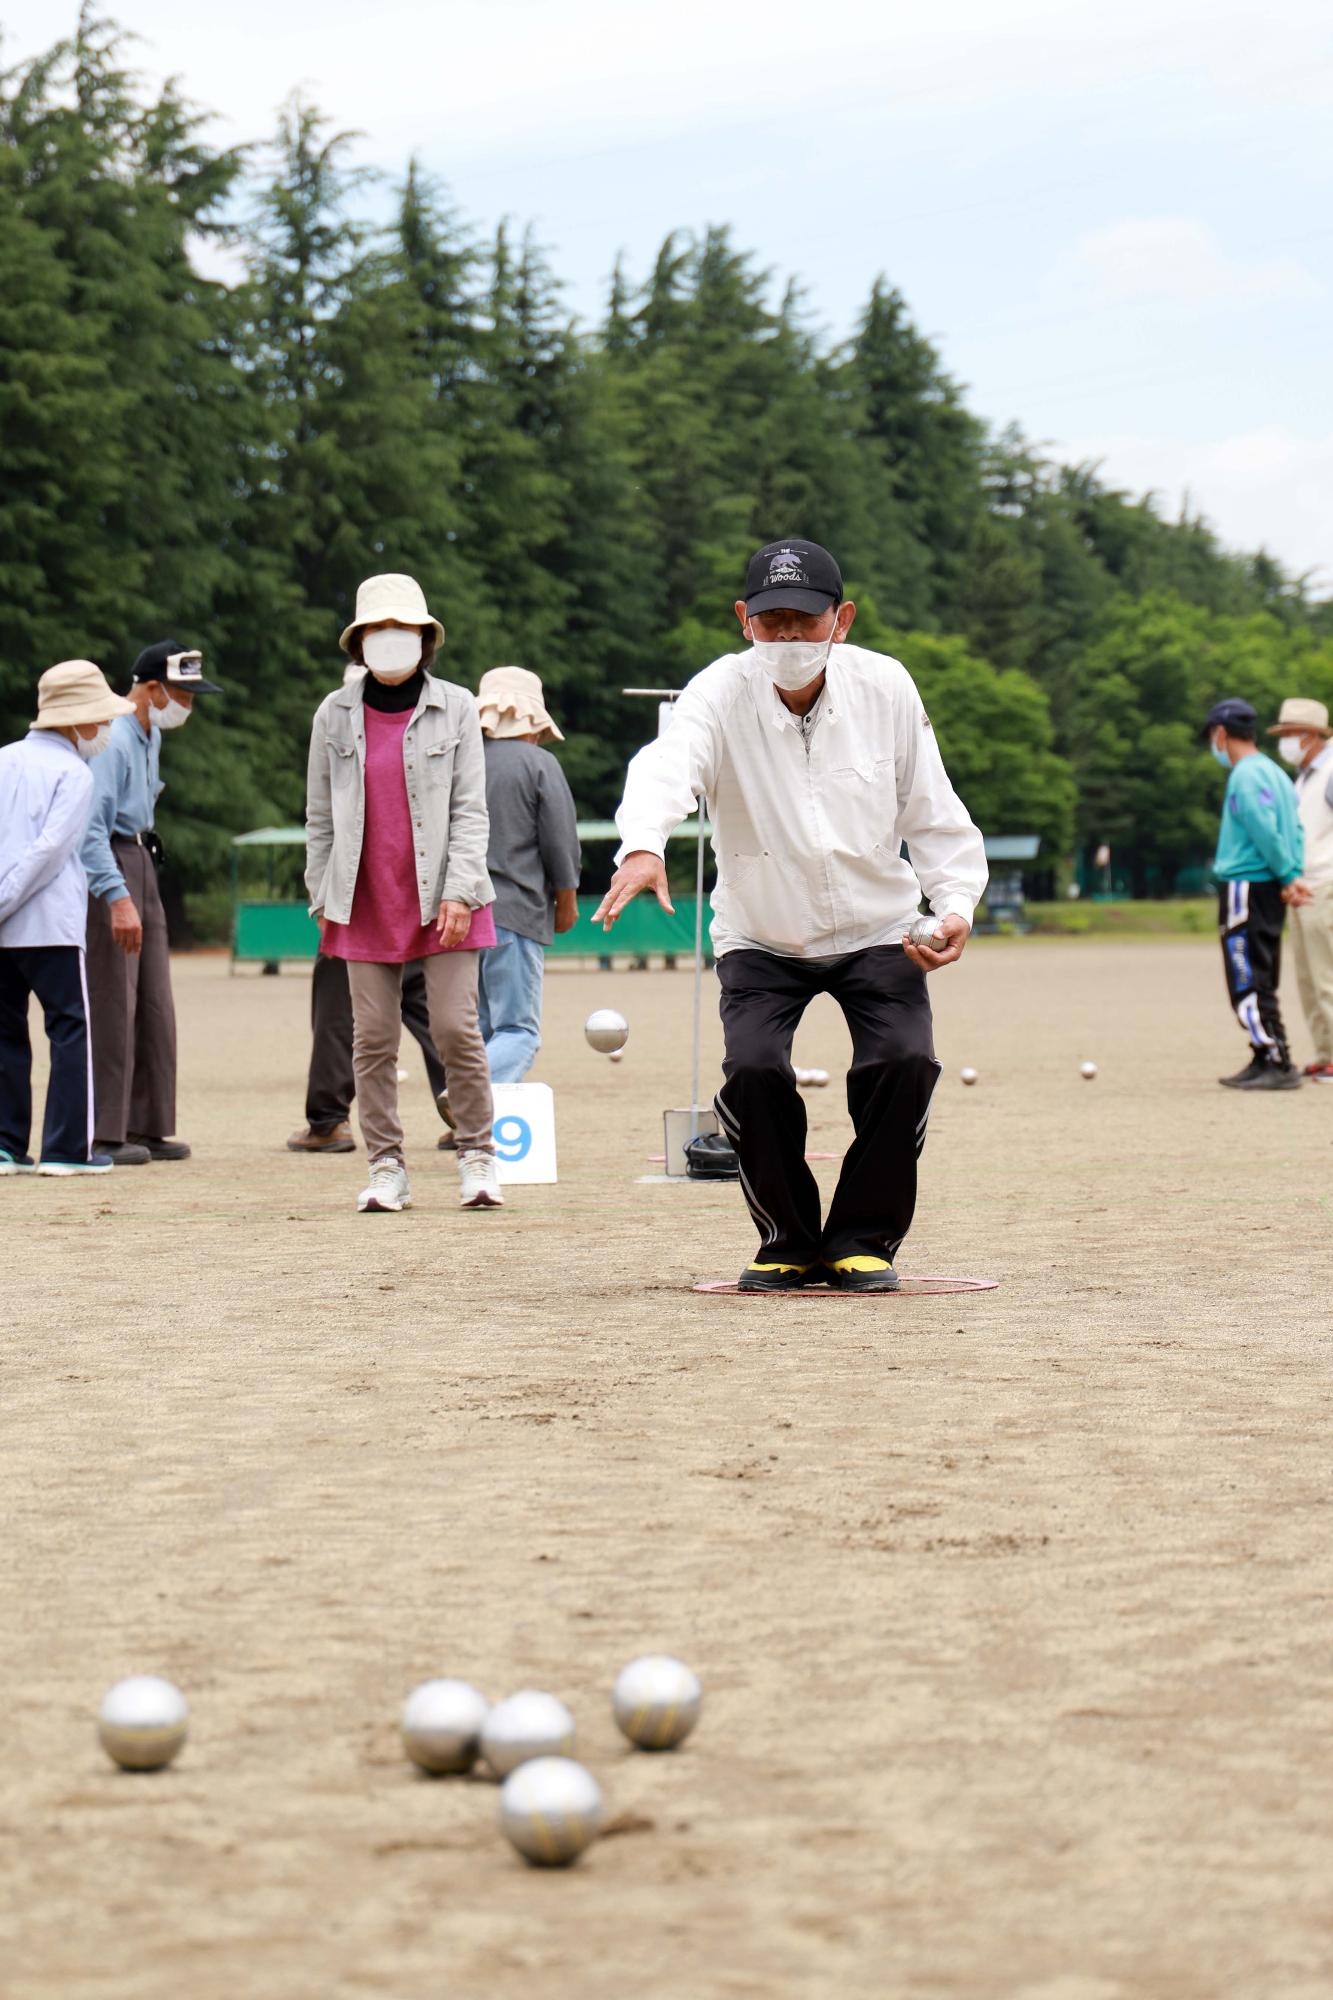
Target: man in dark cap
pixel 1260 849
pixel 818 762
pixel 129 972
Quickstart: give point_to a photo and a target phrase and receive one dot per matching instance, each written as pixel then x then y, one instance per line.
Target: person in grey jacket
pixel 396 833
pixel 533 860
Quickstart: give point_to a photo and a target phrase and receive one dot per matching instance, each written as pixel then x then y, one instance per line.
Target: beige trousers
pixel 377 1025
pixel 1312 950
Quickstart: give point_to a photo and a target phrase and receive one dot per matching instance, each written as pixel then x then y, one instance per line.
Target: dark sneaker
pixel 96 1163
pixel 774 1277
pixel 160 1149
pixel 446 1143
pixel 338 1139
pixel 16 1163
pixel 122 1153
pixel 1272 1076
pixel 862 1274
pixel 442 1106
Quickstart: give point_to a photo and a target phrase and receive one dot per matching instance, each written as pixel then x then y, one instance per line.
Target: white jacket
pixel 808 823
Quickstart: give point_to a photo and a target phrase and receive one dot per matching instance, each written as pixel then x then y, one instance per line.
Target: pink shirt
pixel 386 926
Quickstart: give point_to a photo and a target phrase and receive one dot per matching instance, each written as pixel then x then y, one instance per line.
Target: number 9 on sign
pixel 513 1138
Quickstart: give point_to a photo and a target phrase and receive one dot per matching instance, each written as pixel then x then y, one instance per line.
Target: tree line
pixel 225 462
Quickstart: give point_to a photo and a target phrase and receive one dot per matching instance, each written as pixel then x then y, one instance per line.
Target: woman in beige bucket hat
pixel 396 831
pixel 46 795
pixel 1305 741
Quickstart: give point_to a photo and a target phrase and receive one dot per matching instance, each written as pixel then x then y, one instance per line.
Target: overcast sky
pixel 1115 217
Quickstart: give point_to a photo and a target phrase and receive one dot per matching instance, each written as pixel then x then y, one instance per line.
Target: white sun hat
pixel 399 598
pixel 1298 713
pixel 510 703
pixel 76 691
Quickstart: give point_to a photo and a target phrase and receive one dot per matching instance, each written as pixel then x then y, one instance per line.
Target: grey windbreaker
pixel 445 770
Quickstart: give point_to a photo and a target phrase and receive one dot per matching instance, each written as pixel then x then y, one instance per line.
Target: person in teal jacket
pixel 1260 852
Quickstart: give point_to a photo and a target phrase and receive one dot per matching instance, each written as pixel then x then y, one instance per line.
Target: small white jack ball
pixel 605 1030
pixel 551 1809
pixel 529 1724
pixel 616 1055
pixel 142 1722
pixel 1087 1070
pixel 441 1725
pixel 656 1701
pixel 968 1075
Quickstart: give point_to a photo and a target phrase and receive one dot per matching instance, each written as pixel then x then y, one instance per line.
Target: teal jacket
pixel 1261 838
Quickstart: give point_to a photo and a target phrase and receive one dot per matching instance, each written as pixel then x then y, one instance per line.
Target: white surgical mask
pixel 172 716
pixel 1290 749
pixel 93 746
pixel 792 663
pixel 393 655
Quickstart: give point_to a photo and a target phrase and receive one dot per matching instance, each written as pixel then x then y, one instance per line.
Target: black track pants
pixel 889 1085
pixel 1250 918
pixel 55 973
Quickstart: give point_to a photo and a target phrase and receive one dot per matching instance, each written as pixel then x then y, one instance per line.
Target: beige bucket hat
pixel 510 703
pixel 76 691
pixel 400 598
pixel 1298 713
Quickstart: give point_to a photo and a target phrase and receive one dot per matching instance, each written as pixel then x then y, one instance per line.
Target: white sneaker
pixel 388 1190
pixel 479 1181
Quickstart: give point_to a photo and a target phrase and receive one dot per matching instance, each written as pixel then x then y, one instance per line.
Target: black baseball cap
pixel 175 666
pixel 792 576
pixel 1226 714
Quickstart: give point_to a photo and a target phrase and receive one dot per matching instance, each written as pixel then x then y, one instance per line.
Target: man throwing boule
pixel 818 762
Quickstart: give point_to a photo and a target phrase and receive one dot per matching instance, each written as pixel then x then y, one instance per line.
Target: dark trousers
pixel 54 972
pixel 331 1087
pixel 132 1014
pixel 889 1086
pixel 1250 916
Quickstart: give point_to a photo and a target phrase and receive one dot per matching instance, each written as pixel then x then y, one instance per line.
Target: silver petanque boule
pixel 606 1031
pixel 656 1701
pixel 551 1809
pixel 142 1722
pixel 926 931
pixel 529 1724
pixel 441 1726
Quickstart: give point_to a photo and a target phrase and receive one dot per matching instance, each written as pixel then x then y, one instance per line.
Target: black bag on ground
pixel 710 1157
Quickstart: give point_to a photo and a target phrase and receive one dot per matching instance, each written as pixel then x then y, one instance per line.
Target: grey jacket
pixel 446 791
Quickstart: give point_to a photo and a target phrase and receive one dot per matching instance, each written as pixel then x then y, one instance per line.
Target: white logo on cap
pixel 786 567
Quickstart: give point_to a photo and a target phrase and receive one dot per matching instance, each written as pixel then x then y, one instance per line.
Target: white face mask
pixel 1290 749
pixel 172 716
pixel 393 655
pixel 93 746
pixel 793 663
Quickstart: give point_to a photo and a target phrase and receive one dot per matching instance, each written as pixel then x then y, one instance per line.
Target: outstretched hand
pixel 956 932
pixel 637 872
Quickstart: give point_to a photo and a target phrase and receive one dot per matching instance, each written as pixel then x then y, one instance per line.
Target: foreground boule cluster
pixel 550 1805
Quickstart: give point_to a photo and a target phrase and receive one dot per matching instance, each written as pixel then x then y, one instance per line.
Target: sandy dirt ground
pixel 1013 1610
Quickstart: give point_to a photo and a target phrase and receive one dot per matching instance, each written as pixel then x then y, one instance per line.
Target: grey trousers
pixel 377 1026
pixel 131 1013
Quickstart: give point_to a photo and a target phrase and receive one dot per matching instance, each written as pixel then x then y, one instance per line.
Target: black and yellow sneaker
pixel 861 1274
pixel 774 1277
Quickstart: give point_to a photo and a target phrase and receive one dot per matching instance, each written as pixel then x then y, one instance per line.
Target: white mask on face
pixel 93 746
pixel 1290 749
pixel 793 663
pixel 393 655
pixel 172 716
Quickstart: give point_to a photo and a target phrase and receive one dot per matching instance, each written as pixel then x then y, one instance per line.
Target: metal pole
pixel 701 808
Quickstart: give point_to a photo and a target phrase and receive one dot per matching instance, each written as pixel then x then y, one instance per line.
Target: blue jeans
pixel 509 1004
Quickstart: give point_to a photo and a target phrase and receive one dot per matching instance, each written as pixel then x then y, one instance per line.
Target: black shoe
pixel 123 1153
pixel 161 1149
pixel 775 1277
pixel 442 1106
pixel 861 1274
pixel 1269 1076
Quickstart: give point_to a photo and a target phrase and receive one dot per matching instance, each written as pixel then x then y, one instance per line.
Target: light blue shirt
pixel 125 791
pixel 46 792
